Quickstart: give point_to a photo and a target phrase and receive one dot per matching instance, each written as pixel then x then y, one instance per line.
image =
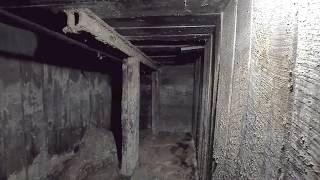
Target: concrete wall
pixel 145 101
pixel 267 123
pixel 44 108
pixel 176 98
pixel 303 146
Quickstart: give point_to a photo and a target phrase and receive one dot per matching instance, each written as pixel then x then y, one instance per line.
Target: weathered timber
pixel 84 20
pixel 205 112
pixel 164 42
pixel 15 20
pixel 202 20
pixel 130 115
pixel 196 88
pixel 164 30
pixel 124 9
pixel 183 37
pixel 155 101
pixel 217 51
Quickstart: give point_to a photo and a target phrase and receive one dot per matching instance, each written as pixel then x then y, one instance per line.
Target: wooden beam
pixel 130 115
pixel 165 42
pixel 178 30
pixel 15 20
pixel 125 9
pixel 162 46
pixel 13 4
pixel 196 97
pixel 164 56
pixel 83 20
pixel 184 37
pixel 208 20
pixel 155 101
pixel 206 111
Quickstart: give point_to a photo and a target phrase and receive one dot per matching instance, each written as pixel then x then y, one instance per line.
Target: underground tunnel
pixel 159 90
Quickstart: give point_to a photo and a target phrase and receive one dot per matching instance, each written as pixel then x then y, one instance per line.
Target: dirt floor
pixel 166 156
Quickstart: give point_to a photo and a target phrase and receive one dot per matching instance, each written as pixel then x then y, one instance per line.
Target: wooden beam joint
pixel 83 20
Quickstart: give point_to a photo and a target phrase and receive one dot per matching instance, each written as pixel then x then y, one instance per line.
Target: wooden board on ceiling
pixel 155 21
pixel 165 30
pixel 125 8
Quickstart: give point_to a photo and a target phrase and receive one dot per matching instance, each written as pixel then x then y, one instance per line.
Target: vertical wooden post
pixel 130 115
pixel 155 101
pixel 205 112
pixel 196 97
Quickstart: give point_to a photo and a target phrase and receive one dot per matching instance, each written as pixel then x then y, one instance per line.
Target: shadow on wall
pixel 51 92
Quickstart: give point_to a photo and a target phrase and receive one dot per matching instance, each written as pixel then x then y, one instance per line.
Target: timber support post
pixel 130 115
pixel 155 101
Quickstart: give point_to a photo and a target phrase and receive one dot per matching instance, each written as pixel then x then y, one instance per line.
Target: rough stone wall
pixel 267 123
pixel 176 98
pixel 304 136
pixel 225 85
pixel 44 107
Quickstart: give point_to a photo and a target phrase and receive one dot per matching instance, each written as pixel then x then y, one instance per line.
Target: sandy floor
pixel 166 157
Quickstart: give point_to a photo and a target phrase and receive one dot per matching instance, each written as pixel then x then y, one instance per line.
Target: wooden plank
pixel 217 51
pixel 130 115
pixel 45 3
pixel 89 22
pixel 125 9
pixel 177 38
pixel 164 42
pixel 15 20
pixel 205 115
pixel 162 21
pixel 155 101
pixel 196 97
pixel 179 30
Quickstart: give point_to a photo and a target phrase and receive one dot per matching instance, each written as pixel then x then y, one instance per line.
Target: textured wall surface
pixel 304 135
pixel 145 101
pixel 225 85
pixel 267 123
pixel 44 107
pixel 176 98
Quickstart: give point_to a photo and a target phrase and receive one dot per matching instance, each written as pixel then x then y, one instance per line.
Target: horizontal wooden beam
pixel 84 20
pixel 165 42
pixel 208 20
pixel 164 30
pixel 184 37
pixel 162 46
pixel 15 20
pixel 127 9
pixel 163 56
pixel 46 3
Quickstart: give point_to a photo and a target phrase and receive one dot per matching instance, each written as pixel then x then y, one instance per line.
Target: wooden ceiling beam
pixel 165 31
pixel 127 9
pixel 84 20
pixel 184 37
pixel 207 20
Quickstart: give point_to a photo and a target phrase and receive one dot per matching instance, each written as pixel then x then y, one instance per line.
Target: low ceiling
pixel 169 31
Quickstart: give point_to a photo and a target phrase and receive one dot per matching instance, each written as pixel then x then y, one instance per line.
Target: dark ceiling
pixel 168 31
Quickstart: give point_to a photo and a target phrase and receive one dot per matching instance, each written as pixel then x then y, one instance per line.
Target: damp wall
pixel 176 98
pixel 268 119
pixel 45 104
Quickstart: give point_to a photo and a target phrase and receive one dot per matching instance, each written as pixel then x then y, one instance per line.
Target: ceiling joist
pixel 165 31
pixel 184 37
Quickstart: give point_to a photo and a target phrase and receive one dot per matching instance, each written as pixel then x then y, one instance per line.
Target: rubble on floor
pixel 166 156
pixel 94 158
